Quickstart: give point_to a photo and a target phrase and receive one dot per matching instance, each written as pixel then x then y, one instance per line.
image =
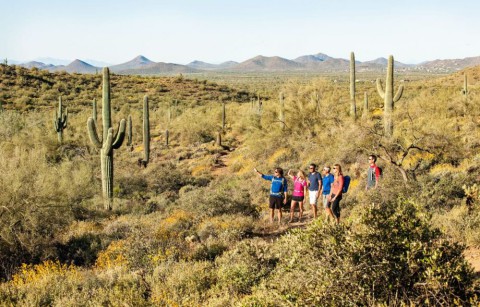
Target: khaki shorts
pixel 326 203
pixel 313 197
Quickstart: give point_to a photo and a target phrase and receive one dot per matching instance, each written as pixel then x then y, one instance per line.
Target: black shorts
pixel 336 205
pixel 276 202
pixel 298 198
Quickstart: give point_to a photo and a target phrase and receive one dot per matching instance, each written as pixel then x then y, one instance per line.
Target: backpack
pixel 346 184
pixel 380 170
pixel 281 189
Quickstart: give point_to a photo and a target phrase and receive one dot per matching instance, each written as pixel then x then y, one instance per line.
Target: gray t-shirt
pixel 314 178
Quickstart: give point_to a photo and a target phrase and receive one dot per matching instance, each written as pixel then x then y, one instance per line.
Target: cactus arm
pixel 399 94
pixel 55 124
pixel 65 118
pixel 380 90
pixel 120 136
pixel 92 133
pixel 108 144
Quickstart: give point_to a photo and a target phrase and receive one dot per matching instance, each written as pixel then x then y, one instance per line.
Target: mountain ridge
pixel 318 62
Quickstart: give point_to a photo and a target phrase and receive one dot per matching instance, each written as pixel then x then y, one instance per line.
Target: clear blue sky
pixel 214 31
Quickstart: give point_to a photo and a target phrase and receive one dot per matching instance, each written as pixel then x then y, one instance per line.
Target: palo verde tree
pixel 389 99
pixel 60 120
pixel 109 141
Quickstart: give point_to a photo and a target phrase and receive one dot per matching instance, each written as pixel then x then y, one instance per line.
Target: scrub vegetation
pixel 191 228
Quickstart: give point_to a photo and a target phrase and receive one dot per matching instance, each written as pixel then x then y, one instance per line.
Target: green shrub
pixel 391 256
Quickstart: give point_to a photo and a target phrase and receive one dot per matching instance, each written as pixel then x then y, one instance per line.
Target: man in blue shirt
pixel 327 181
pixel 314 183
pixel 278 192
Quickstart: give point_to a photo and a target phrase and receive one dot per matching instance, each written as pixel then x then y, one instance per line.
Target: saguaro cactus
pixel 108 143
pixel 129 131
pixel 219 139
pixel 353 106
pixel 388 98
pixel 465 88
pixel 146 132
pixel 281 98
pixel 365 106
pixel 60 120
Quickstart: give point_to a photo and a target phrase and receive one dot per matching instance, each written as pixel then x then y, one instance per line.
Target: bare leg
pixel 279 216
pixel 300 206
pixel 314 210
pixel 292 210
pixel 271 215
pixel 328 213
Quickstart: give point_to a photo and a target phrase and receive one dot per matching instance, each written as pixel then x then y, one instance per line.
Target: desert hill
pixel 262 63
pixel 76 66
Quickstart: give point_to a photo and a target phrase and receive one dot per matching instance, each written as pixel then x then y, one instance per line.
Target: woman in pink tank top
pixel 299 192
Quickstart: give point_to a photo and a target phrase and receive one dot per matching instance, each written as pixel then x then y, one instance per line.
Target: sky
pixel 214 31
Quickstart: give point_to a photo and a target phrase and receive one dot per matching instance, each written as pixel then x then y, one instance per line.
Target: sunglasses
pixel 334 168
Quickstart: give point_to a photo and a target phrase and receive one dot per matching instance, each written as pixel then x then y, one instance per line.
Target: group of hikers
pixel 327 185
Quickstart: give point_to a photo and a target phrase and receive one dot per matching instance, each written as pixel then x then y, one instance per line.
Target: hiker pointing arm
pixel 278 191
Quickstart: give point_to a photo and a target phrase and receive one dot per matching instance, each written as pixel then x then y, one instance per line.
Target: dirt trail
pixel 222 163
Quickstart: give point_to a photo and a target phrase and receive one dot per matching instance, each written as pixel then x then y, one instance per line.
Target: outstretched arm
pixel 290 175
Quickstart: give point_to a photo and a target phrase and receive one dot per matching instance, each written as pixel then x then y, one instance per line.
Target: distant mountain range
pixel 319 62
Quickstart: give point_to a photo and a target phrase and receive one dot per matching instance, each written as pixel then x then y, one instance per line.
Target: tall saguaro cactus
pixel 281 98
pixel 146 132
pixel 60 120
pixel 388 97
pixel 353 106
pixel 465 88
pixel 129 131
pixel 109 141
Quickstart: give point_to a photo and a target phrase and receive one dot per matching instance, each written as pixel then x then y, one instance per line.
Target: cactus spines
pixel 60 120
pixel 94 111
pixel 388 97
pixel 353 107
pixel 281 98
pixel 108 143
pixel 465 88
pixel 365 106
pixel 146 132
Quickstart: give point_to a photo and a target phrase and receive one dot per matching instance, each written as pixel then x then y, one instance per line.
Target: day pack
pixel 346 184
